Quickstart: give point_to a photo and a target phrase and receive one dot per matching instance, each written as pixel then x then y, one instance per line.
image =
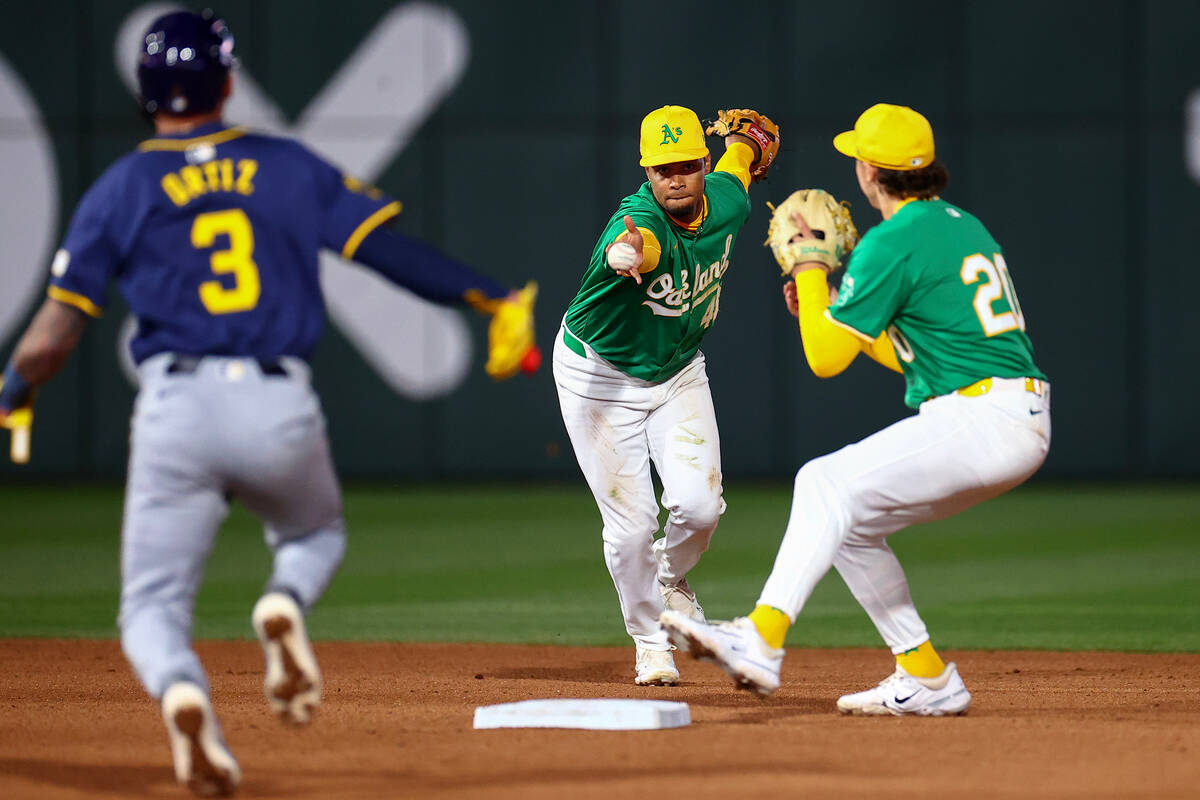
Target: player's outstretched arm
pixel 426 271
pixel 434 276
pixel 807 253
pixel 49 340
pixel 827 348
pixel 880 350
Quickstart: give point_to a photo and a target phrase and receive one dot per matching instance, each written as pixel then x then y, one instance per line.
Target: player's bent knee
pixel 808 475
pixel 701 513
pixel 816 478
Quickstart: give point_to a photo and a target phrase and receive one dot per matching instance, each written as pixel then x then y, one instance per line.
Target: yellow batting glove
pixel 511 345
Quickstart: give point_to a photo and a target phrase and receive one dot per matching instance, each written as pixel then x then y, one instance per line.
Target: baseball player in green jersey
pixel 932 280
pixel 631 378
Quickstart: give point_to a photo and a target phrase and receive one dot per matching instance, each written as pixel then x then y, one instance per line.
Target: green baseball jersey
pixel 935 279
pixel 652 330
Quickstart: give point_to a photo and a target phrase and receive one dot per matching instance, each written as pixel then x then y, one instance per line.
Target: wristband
pixel 16 391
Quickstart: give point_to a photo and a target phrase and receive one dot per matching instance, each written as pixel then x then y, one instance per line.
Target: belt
pixel 573 343
pixel 187 365
pixel 980 388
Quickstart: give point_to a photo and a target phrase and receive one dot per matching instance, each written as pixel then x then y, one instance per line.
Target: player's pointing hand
pixel 625 255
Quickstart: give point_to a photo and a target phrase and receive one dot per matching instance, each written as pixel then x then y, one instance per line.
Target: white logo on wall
pixel 365 115
pixel 1191 134
pixel 360 120
pixel 28 200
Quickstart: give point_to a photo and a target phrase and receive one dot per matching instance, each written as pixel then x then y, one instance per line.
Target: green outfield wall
pixel 1071 128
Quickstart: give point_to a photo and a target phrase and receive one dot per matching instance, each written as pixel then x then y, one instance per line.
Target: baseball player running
pixel 631 378
pixel 934 282
pixel 212 235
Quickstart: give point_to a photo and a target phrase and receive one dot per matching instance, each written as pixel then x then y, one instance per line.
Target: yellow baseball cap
pixel 888 136
pixel 670 134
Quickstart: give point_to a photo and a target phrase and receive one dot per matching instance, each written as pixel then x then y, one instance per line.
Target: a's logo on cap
pixel 669 136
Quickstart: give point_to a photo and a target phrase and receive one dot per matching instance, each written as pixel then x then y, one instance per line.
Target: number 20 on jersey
pixel 998 284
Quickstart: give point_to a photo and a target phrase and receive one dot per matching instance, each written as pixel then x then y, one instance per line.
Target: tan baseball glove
pixel 830 234
pixel 757 127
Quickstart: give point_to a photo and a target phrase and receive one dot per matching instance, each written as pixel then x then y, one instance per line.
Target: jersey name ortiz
pixel 652 330
pixel 213 240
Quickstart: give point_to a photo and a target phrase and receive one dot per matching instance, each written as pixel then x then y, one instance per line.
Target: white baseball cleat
pixel 655 668
pixel 901 694
pixel 293 681
pixel 736 647
pixel 679 597
pixel 202 761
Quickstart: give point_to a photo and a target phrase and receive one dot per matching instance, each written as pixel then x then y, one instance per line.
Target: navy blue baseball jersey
pixel 213 238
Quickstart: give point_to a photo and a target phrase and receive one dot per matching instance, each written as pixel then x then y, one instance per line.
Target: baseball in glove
pixel 755 126
pixel 510 336
pixel 810 225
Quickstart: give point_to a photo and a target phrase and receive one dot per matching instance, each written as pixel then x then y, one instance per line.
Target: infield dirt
pixel 397 723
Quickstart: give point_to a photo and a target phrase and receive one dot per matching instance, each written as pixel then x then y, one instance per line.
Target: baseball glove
pixel 755 126
pixel 833 231
pixel 510 336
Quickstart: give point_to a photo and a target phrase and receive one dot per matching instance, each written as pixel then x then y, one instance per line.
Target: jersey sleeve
pixel 827 348
pixel 736 162
pixel 873 290
pixel 351 209
pixel 653 229
pixel 651 247
pixel 427 272
pixel 90 253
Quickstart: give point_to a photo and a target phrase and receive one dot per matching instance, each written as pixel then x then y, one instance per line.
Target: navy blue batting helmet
pixel 184 62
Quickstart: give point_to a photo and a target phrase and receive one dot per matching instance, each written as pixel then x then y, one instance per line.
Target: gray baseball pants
pixel 223 430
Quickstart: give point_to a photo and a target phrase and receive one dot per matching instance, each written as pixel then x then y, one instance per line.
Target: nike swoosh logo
pixel 1033 413
pixel 902 700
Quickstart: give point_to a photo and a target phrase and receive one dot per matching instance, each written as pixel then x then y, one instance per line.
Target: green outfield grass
pixel 1066 567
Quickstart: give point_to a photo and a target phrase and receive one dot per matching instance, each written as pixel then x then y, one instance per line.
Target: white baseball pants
pixel 956 452
pixel 618 425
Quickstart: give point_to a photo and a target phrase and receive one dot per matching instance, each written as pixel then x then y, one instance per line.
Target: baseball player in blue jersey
pixel 212 234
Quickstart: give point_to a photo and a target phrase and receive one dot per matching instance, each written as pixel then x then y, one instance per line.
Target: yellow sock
pixel 922 661
pixel 772 623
